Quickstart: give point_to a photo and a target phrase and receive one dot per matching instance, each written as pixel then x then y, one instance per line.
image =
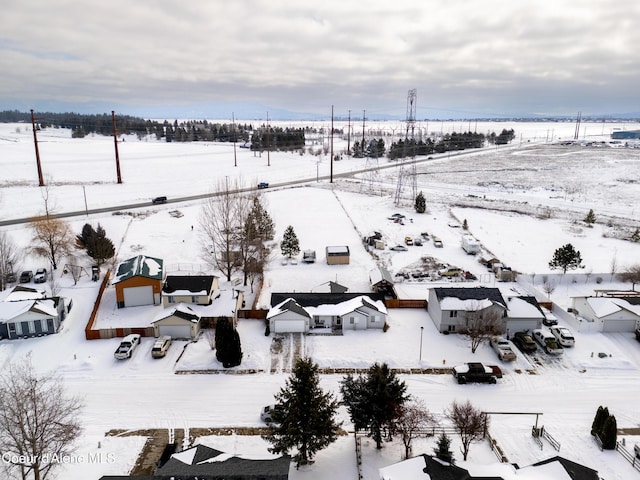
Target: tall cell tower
pixel 407 172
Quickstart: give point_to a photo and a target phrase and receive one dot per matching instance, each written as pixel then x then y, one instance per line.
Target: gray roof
pixel 191 283
pixel 315 299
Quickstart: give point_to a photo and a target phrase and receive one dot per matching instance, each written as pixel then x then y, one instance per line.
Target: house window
pixel 453 313
pixel 451 328
pixel 194 299
pixel 32 326
pixel 352 320
pixel 12 328
pixel 170 299
pixel 18 328
pixel 338 321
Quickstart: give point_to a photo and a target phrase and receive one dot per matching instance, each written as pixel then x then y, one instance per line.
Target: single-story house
pixel 612 314
pixel 138 281
pixel 31 318
pixel 450 308
pixel 425 467
pixel 20 292
pixel 304 312
pixel 205 463
pixel 337 255
pixel 191 289
pixel 178 321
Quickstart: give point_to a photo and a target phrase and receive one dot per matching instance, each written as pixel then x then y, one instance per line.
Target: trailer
pixel 470 245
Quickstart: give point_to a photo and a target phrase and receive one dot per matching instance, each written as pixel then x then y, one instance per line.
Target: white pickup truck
pixel 127 346
pixel 502 346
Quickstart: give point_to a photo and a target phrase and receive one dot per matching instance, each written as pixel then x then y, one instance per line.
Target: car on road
pixel 127 346
pixel 548 342
pixel 399 248
pixel 159 200
pixel 475 372
pixel 525 342
pixel 263 185
pixel 563 335
pixel 502 346
pixel 266 414
pixel 26 276
pixel 40 276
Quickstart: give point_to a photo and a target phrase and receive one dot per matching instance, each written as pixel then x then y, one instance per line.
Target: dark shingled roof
pixel 475 293
pixel 191 283
pixel 315 299
pixel 575 470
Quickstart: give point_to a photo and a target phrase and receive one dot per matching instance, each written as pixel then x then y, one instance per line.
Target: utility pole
pixel 35 142
pixel 233 121
pixel 363 117
pixel 349 135
pixel 268 143
pixel 115 143
pixel 331 178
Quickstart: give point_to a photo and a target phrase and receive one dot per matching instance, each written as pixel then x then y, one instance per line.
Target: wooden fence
pixel 405 303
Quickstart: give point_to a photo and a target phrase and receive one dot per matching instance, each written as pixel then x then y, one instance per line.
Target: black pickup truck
pixel 476 372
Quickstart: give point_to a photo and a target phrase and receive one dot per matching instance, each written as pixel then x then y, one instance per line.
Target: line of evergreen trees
pixel 277 138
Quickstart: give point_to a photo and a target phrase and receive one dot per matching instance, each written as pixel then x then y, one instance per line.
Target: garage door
pixel 619 326
pixel 175 331
pixel 286 326
pixel 514 326
pixel 135 296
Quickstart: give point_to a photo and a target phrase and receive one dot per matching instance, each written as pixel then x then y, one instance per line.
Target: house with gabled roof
pixel 31 318
pixel 179 322
pixel 138 281
pixel 450 308
pixel 609 314
pixel 190 289
pixel 304 312
pixel 523 313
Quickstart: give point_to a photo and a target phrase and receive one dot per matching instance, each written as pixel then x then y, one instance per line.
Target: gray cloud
pixel 491 57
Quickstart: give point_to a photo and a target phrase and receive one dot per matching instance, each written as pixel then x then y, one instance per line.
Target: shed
pixel 138 281
pixel 337 255
pixel 177 322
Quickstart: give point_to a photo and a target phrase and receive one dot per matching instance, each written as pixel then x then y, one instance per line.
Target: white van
pixel 160 347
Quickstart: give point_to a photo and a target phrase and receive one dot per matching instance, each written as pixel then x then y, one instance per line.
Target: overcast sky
pixel 466 58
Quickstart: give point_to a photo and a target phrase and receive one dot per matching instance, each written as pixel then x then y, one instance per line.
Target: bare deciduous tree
pixel 469 422
pixel 52 239
pixel 481 324
pixel 38 421
pixel 549 287
pixel 631 274
pixel 412 423
pixel 9 258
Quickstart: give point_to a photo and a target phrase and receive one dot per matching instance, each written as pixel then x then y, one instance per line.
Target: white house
pixel 302 313
pixel 177 322
pixel 31 318
pixel 611 314
pixel 449 308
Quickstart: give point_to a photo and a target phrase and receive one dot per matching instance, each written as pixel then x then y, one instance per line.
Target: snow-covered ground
pixel 531 176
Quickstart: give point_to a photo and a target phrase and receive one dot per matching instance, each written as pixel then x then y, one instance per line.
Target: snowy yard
pixel 147 393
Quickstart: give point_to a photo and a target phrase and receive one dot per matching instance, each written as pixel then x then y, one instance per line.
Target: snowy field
pixel 530 176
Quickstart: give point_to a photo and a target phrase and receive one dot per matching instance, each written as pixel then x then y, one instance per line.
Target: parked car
pixel 160 346
pixel 450 272
pixel 263 185
pixel 40 276
pixel 399 248
pixel 549 318
pixel 525 342
pixel 502 346
pixel 159 200
pixel 563 335
pixel 127 346
pixel 10 277
pixel 547 341
pixel 396 217
pixel 474 372
pixel 26 276
pixel 437 242
pixel 417 242
pixel 408 240
pixel 266 413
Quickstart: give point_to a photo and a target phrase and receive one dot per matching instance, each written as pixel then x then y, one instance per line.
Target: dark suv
pixel 158 200
pixel 524 341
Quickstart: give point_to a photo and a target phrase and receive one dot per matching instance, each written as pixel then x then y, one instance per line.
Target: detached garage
pixel 179 322
pixel 138 281
pixel 611 314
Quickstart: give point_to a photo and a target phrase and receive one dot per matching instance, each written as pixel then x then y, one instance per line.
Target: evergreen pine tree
pixel 566 258
pixel 374 401
pixel 227 340
pixel 609 434
pixel 260 221
pixel 99 247
pixel 465 225
pixel 304 415
pixel 290 245
pixel 598 421
pixel 421 203
pixel 635 237
pixel 590 219
pixel 443 449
